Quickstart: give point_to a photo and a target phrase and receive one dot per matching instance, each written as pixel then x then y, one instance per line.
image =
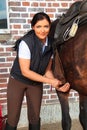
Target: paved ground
pixel 57 126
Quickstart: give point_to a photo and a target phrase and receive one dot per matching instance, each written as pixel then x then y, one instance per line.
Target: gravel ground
pixel 57 126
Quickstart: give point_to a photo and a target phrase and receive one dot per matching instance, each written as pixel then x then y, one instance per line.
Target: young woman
pixel 31 68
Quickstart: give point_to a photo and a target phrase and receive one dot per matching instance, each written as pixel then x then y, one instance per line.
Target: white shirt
pixel 24 51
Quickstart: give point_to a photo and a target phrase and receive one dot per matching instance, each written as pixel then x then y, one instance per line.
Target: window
pixel 4 24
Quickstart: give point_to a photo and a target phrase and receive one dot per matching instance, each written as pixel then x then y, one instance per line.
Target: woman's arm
pixel 49 74
pixel 25 70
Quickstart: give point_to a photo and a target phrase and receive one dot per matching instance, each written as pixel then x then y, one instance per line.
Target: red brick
pixel 17 26
pixel 54 96
pixel 3 85
pixel 4 75
pixel 8 49
pixel 1 49
pixel 55 4
pixel 3 80
pixel 5 64
pixel 10 59
pixel 3 70
pixel 35 4
pixel 46 97
pixel 15 3
pixel 5 54
pixel 43 4
pixel 64 4
pixel 50 10
pixel 26 3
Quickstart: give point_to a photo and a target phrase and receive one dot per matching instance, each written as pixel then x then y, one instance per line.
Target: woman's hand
pixel 64 88
pixel 57 84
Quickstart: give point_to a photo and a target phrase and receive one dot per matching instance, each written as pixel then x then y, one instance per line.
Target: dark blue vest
pixel 39 60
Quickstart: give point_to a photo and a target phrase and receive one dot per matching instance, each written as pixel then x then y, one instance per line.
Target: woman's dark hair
pixel 40 16
pixel 36 18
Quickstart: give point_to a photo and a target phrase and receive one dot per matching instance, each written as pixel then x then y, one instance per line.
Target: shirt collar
pixel 46 43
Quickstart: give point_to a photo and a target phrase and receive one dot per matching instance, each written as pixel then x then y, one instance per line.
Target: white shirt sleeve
pixel 24 51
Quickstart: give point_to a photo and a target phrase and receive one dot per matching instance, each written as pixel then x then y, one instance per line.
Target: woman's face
pixel 41 29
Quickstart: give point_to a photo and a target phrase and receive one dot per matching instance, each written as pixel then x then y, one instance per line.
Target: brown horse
pixel 71 66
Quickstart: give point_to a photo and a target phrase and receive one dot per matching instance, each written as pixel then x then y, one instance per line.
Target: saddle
pixel 69 22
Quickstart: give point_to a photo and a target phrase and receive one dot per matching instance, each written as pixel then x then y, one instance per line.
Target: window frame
pixel 7 30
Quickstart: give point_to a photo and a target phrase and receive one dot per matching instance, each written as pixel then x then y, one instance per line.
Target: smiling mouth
pixel 42 35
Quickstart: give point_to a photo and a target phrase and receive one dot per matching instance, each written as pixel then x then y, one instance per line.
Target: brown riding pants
pixel 15 93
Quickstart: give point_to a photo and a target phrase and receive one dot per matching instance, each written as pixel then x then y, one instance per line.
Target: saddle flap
pixel 75 9
pixel 72 12
pixel 83 7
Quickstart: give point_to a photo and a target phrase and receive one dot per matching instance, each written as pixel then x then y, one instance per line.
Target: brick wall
pixel 20 15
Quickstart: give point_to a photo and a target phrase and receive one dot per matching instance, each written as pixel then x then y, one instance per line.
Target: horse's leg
pixel 66 120
pixel 83 111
